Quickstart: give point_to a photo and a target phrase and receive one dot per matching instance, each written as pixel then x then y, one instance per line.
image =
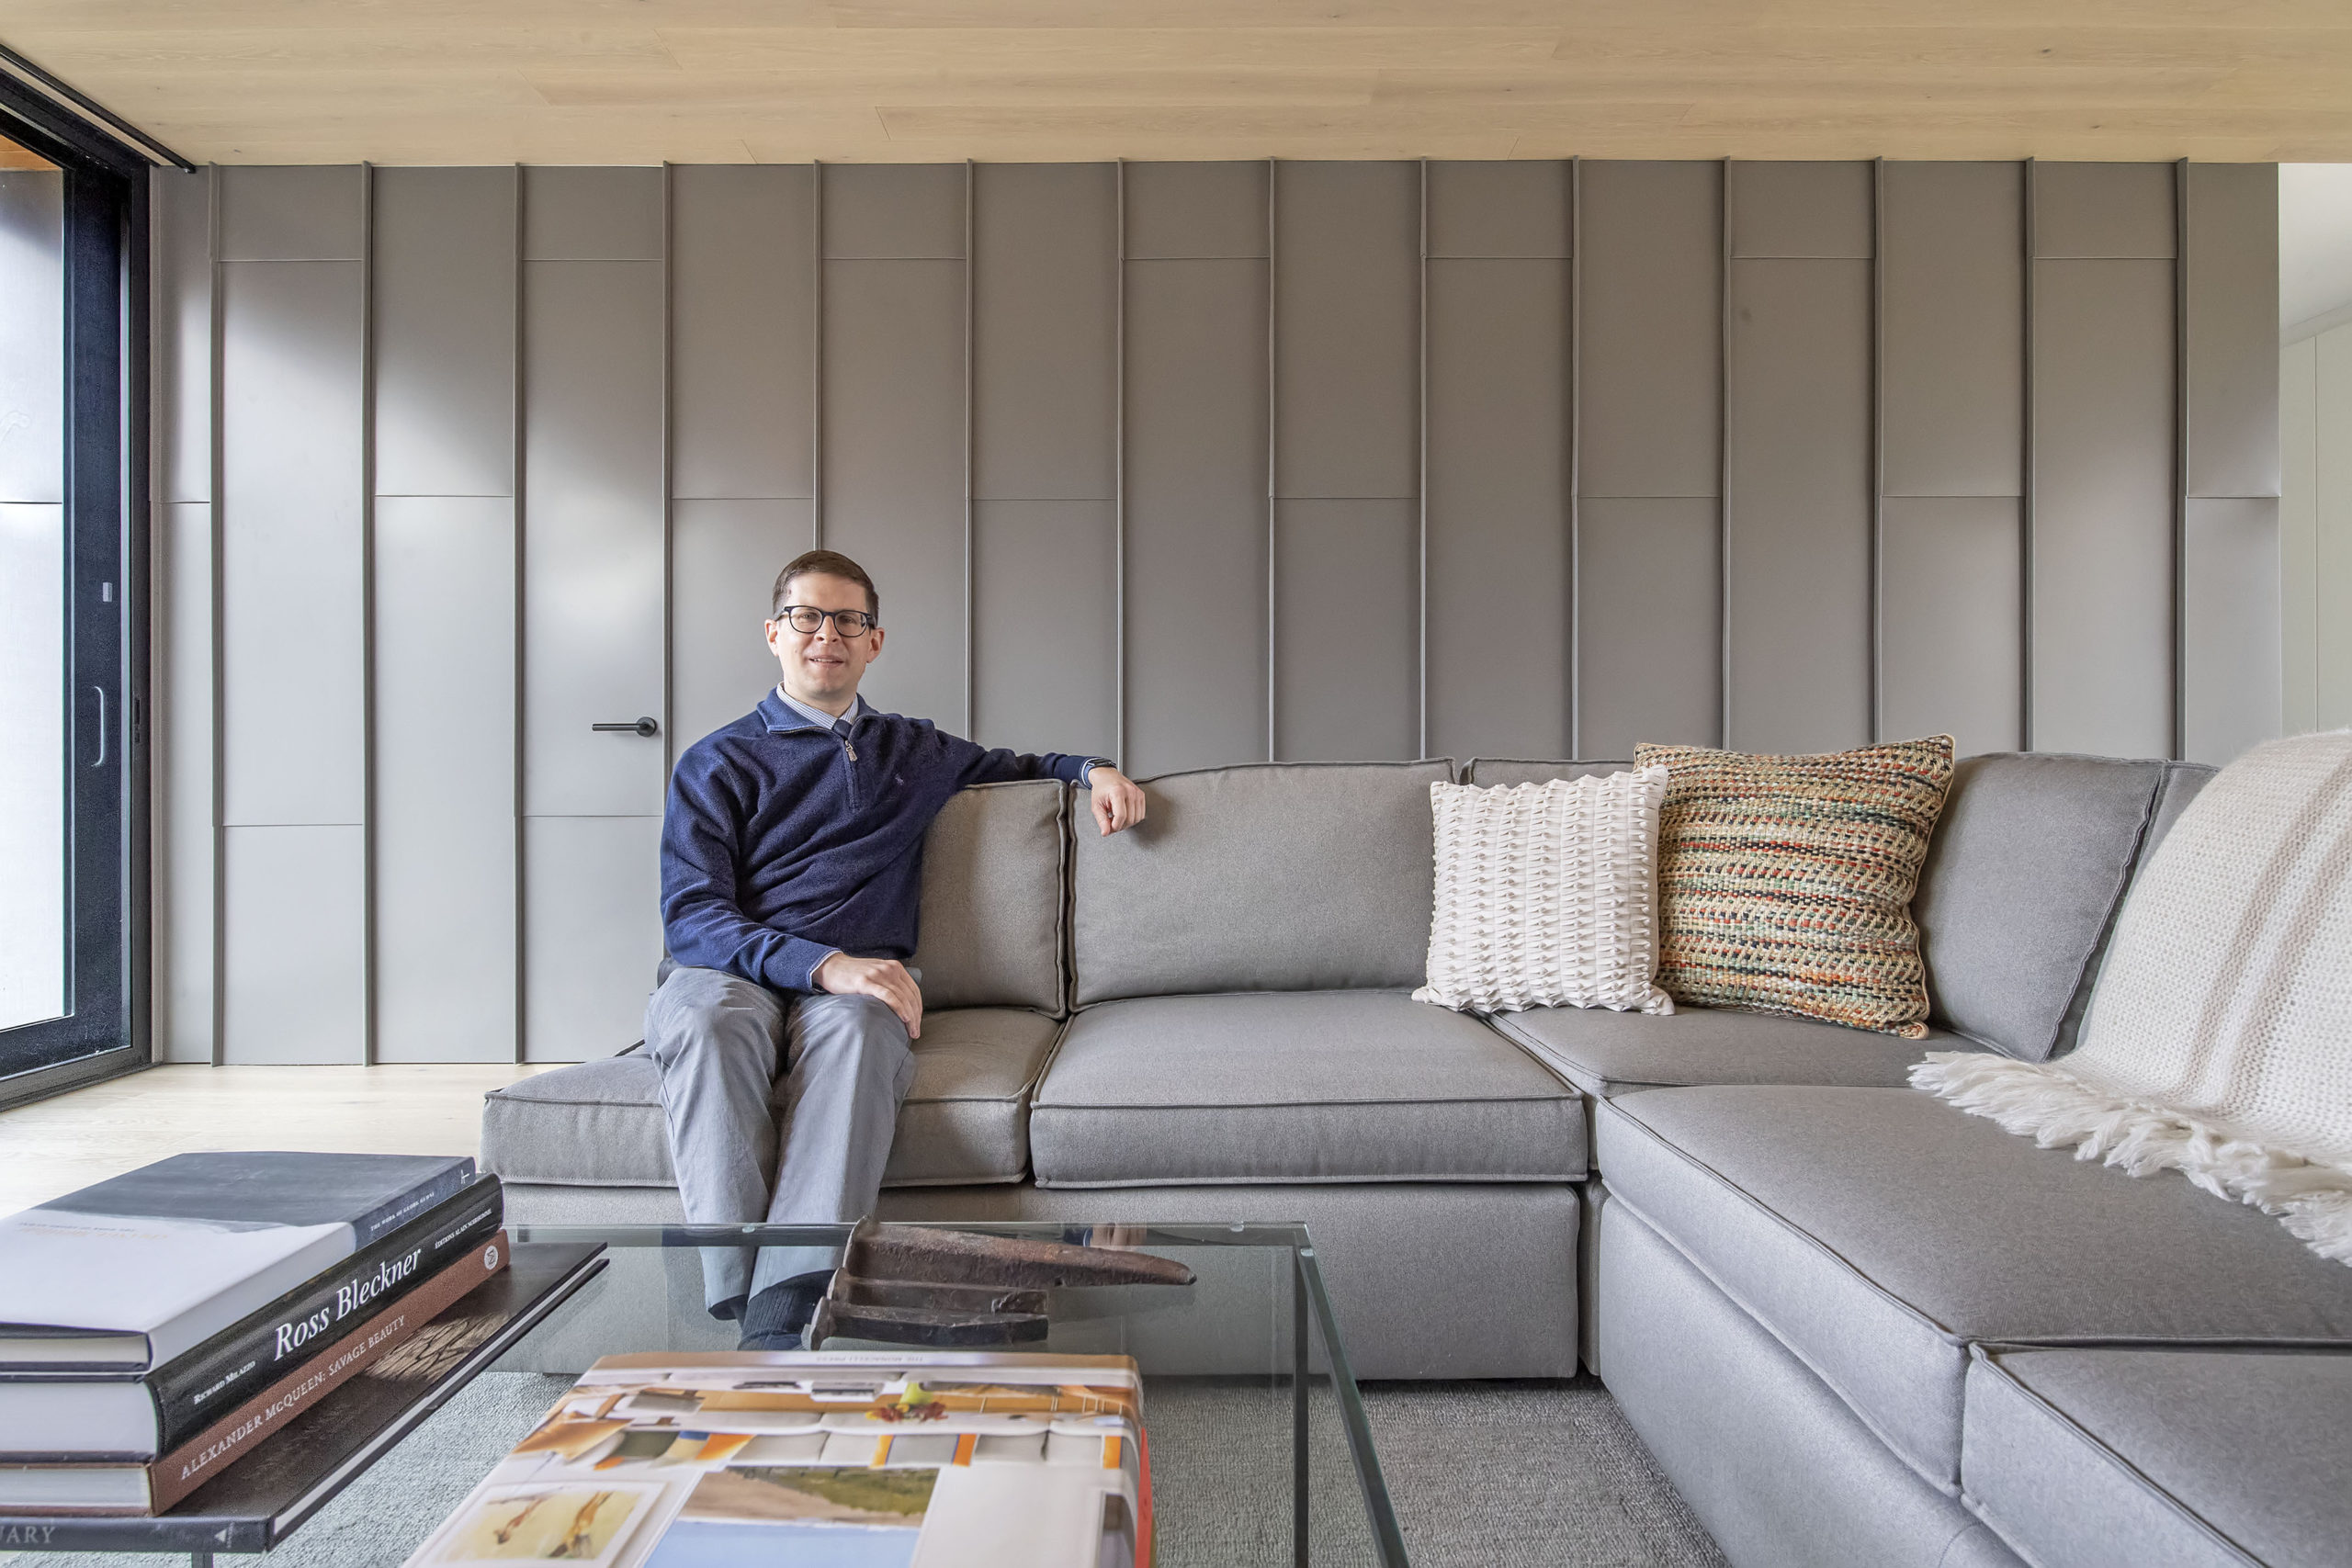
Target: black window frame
pixel 109 1030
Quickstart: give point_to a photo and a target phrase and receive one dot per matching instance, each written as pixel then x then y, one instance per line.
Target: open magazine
pixel 855 1459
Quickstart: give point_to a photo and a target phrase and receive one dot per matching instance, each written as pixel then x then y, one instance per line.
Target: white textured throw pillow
pixel 1547 895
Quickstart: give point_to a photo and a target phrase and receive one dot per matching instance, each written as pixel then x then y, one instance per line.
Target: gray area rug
pixel 1486 1474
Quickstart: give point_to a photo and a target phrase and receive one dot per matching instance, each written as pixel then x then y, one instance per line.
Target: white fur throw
pixel 2219 1042
pixel 1547 895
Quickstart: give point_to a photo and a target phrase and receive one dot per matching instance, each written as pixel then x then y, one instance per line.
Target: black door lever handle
pixel 646 726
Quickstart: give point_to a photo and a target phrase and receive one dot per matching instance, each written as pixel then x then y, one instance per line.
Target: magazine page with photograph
pixel 882 1459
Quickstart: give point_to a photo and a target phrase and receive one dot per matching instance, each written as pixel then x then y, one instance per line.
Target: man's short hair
pixel 831 563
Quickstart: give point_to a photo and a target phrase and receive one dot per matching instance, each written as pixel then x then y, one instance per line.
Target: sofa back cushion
pixel 1273 876
pixel 2023 879
pixel 1501 772
pixel 990 931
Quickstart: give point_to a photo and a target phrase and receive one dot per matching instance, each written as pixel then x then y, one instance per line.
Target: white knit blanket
pixel 2219 1040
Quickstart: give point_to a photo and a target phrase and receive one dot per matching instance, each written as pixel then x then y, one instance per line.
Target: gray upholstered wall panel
pixel 2233 285
pixel 1797 476
pixel 724 556
pixel 443 807
pixel 1497 210
pixel 1197 211
pixel 894 448
pixel 1045 327
pixel 1649 624
pixel 1952 374
pixel 2230 699
pixel 1197 524
pixel 1346 287
pixel 591 933
pixel 180 737
pixel 1498 591
pixel 293 955
pixel 894 211
pixel 1044 626
pixel 1799 210
pixel 1951 618
pixel 1652 356
pixel 180 208
pixel 2102 569
pixel 1096 438
pixel 571 214
pixel 1347 643
pixel 291 442
pixel 2104 211
pixel 289 213
pixel 742 310
pixel 593 532
pixel 443 301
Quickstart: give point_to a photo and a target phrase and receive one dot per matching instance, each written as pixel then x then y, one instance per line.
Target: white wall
pixel 2315 529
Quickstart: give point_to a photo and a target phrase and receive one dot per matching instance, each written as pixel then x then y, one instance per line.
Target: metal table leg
pixel 1298 1410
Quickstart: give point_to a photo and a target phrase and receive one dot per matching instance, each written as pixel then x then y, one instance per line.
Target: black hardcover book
pixel 123 1414
pixel 136 1272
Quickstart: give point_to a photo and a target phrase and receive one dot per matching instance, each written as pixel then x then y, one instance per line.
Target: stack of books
pixel 880 1460
pixel 155 1329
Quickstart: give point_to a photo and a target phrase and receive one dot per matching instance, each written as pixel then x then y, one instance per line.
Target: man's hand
pixel 1118 799
pixel 885 978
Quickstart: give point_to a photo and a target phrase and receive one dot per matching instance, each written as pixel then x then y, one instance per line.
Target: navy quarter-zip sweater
pixel 786 843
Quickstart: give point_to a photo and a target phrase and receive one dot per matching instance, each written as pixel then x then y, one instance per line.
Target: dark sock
pixel 772 1319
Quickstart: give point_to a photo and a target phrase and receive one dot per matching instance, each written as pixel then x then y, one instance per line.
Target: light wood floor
pixel 56 1146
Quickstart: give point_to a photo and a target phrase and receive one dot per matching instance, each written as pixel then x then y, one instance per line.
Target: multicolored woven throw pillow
pixel 1784 883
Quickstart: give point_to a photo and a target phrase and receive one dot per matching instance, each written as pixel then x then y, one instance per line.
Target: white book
pixel 125 1275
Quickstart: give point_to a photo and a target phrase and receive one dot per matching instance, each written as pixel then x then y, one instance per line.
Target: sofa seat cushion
pixel 1317 1086
pixel 2182 1457
pixel 1879 1231
pixel 1603 1052
pixel 965 1119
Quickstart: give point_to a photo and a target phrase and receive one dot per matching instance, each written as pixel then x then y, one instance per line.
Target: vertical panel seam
pixel 971 269
pixel 1421 487
pixel 214 393
pixel 1273 623
pixel 2180 460
pixel 2025 462
pixel 816 355
pixel 367 614
pixel 1119 469
pixel 1878 453
pixel 1723 459
pixel 668 286
pixel 521 545
pixel 1575 456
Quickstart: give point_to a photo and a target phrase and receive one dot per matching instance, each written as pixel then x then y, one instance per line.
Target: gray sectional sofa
pixel 1854 1324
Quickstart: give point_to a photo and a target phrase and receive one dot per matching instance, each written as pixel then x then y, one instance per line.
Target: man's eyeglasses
pixel 807 618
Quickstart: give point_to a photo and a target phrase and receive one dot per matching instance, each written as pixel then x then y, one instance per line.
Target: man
pixel 791 862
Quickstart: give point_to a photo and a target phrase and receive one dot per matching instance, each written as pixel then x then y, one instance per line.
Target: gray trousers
pixel 846 1067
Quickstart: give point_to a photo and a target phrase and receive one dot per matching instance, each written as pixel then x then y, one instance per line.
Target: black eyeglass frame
pixel 844 620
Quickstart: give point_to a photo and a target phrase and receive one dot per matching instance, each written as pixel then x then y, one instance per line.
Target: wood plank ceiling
pixel 728 81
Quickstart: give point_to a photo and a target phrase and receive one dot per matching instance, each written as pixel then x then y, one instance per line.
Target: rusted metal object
pixel 949 1328
pixel 913 1285
pixel 848 1287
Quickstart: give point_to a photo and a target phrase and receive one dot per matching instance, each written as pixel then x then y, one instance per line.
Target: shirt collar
pixel 785 714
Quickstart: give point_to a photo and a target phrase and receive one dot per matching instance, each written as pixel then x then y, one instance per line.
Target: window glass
pixel 34 885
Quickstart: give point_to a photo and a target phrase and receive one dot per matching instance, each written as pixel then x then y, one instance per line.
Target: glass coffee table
pixel 1261 1452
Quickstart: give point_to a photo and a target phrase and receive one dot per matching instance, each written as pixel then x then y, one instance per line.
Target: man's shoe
pixel 777 1318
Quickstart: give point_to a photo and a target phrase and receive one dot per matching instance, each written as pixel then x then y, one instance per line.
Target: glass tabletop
pixel 1260 1449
